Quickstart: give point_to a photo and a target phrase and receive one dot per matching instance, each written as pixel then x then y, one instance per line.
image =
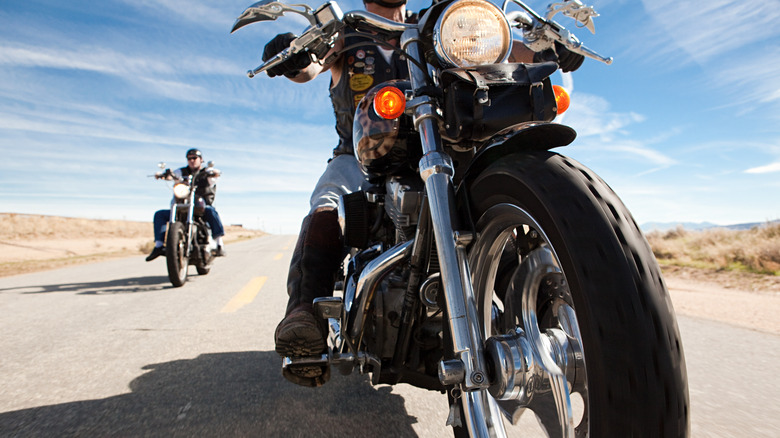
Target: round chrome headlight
pixel 181 190
pixel 472 32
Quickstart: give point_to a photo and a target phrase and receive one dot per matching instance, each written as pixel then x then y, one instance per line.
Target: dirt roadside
pixel 746 300
pixel 30 243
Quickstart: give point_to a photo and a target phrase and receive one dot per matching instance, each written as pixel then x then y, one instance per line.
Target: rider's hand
pixel 163 175
pixel 566 59
pixel 292 66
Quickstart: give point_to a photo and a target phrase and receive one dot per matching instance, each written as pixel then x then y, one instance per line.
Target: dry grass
pixel 31 227
pixel 30 243
pixel 756 250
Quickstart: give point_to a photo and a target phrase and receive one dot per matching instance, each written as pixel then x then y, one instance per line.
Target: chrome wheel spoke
pixel 535 340
pixel 540 263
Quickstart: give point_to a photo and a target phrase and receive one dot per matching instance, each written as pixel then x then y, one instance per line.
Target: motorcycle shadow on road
pixel 223 395
pixel 119 286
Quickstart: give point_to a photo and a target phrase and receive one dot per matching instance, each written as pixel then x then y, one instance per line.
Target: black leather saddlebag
pixel 484 100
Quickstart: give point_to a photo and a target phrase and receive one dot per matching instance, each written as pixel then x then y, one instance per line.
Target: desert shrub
pixel 146 247
pixel 755 250
pixel 676 233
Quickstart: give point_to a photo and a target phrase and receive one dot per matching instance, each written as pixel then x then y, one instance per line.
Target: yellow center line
pixel 278 256
pixel 245 296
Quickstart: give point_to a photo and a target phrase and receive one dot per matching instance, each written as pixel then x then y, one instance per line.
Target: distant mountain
pixel 665 226
pixel 695 226
pixel 751 225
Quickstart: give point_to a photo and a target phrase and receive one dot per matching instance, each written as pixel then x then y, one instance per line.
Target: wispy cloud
pixel 769 168
pixel 641 151
pixel 735 41
pixel 757 78
pixel 191 11
pixel 109 61
pixel 708 30
pixel 601 129
pixel 218 132
pixel 157 76
pixel 590 115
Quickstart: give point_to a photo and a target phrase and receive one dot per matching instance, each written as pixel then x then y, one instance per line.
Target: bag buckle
pixel 481 94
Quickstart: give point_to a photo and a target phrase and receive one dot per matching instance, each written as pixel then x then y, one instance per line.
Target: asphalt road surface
pixel 111 349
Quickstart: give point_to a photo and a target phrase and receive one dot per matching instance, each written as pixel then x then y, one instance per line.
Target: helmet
pixel 194 152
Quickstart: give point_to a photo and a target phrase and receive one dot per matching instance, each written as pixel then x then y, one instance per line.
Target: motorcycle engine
pixel 402 204
pixel 387 313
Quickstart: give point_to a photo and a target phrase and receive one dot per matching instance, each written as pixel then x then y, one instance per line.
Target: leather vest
pixel 363 67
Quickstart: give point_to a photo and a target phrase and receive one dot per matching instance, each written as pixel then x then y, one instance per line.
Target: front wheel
pixel 578 324
pixel 176 253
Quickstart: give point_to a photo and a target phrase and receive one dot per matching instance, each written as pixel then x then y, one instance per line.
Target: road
pixel 111 349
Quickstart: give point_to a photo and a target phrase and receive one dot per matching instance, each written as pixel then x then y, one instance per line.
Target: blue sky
pixel 684 125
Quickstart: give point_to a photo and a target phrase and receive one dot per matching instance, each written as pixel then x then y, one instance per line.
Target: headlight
pixel 181 191
pixel 472 32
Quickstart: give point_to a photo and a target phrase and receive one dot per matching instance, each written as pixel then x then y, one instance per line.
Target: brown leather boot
pixel 300 334
pixel 313 269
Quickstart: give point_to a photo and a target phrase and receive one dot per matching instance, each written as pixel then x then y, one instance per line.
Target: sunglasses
pixel 192 158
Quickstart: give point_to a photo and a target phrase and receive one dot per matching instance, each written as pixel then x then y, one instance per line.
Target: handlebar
pixel 273 62
pixel 327 21
pixel 542 33
pixel 319 38
pixel 571 42
pixel 167 175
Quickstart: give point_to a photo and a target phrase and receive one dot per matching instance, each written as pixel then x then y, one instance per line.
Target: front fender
pixel 536 136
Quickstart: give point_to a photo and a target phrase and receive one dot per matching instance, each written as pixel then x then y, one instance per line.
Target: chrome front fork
pixel 467 369
pixel 190 218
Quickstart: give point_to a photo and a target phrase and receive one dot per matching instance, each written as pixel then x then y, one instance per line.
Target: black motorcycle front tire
pixel 636 376
pixel 176 253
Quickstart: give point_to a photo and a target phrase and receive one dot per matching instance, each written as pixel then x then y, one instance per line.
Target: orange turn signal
pixel 562 99
pixel 389 103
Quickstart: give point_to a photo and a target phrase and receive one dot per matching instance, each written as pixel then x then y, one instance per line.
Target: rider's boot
pixel 156 252
pixel 313 269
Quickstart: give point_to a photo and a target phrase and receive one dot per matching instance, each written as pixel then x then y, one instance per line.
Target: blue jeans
pixel 161 218
pixel 342 176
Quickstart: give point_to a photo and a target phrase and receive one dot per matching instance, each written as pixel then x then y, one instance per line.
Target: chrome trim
pixel 345 361
pixel 190 214
pixel 451 372
pixel 429 291
pixel 438 45
pixel 512 360
pixel 530 365
pixel 436 163
pixel 424 120
pixel 351 286
pixel 456 278
pixel 370 278
pixel 540 262
pixel 364 20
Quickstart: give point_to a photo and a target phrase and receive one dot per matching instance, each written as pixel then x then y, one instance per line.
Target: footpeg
pixel 328 307
pixel 320 360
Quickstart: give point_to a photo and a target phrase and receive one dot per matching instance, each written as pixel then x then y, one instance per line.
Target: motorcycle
pixel 484 265
pixel 188 238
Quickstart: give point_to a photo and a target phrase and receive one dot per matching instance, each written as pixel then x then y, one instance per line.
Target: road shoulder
pixel 743 300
